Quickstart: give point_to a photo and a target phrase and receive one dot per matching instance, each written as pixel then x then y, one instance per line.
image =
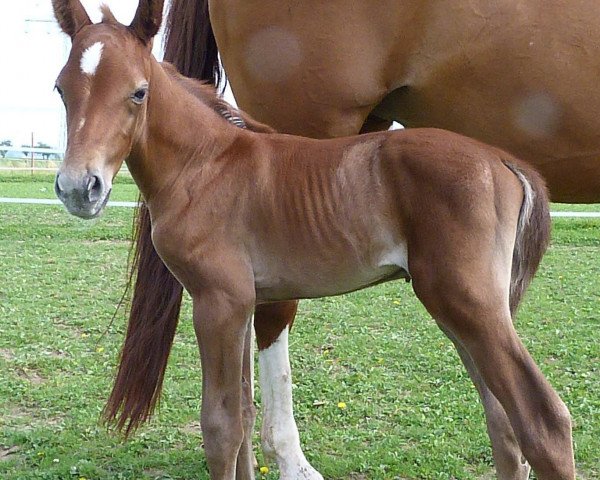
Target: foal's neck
pixel 180 133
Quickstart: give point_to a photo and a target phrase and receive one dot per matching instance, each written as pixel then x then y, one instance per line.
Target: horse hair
pixel 153 316
pixel 190 43
pixel 533 230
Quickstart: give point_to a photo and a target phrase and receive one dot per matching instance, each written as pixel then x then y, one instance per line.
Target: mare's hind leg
pixel 279 434
pixel 473 305
pixel 509 461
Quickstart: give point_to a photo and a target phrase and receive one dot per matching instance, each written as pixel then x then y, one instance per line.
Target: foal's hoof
pixel 519 471
pixel 525 470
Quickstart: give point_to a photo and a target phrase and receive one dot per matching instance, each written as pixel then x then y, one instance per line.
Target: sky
pixel 32 51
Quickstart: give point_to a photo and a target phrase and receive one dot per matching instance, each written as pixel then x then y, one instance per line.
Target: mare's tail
pixel 190 42
pixel 152 322
pixel 533 230
pixel 191 48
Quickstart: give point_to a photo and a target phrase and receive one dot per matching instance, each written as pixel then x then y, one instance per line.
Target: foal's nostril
pixel 91 182
pixel 94 187
pixel 57 190
pixel 79 189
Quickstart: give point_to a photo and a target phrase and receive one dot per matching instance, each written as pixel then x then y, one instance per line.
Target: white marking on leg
pixel 279 433
pixel 91 58
pixel 81 124
pixel 252 353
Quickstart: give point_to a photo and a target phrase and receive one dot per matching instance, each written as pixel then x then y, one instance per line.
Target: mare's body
pixel 517 74
pixel 520 75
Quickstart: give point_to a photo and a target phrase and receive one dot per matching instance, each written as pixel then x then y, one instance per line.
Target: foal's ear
pixel 71 16
pixel 147 20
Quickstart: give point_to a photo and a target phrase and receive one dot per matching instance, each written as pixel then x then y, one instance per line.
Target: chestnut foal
pixel 244 218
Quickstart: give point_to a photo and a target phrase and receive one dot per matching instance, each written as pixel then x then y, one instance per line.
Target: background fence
pixel 34 159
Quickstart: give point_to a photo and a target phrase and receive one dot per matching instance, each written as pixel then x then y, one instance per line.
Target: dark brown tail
pixel 152 322
pixel 191 47
pixel 533 231
pixel 190 42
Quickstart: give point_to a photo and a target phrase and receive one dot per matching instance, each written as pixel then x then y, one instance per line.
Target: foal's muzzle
pixel 84 194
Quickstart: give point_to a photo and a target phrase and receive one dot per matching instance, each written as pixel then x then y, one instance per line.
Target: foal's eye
pixel 139 95
pixel 59 90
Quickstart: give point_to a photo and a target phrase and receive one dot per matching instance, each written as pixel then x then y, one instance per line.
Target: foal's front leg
pixel 221 321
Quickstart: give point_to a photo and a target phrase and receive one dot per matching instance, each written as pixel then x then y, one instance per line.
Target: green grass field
pixel 411 410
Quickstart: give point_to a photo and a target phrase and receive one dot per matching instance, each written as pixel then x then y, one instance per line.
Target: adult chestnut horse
pixel 519 74
pixel 244 218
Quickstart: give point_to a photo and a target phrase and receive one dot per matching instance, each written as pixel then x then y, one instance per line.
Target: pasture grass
pixel 41 185
pixel 411 412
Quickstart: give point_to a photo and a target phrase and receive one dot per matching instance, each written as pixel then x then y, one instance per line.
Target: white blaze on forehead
pixel 91 58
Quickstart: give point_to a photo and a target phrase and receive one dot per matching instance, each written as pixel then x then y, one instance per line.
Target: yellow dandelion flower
pixel 264 470
pixel 342 405
pixel 100 349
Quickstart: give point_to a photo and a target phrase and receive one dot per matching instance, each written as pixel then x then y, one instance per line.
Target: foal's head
pixel 104 86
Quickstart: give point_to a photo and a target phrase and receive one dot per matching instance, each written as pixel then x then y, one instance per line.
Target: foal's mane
pixel 208 95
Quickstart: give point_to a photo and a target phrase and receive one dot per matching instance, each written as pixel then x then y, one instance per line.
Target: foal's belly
pixel 279 277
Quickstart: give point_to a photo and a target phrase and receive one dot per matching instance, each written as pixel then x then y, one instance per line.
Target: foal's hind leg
pixel 279 434
pixel 509 461
pixel 474 307
pixel 245 460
